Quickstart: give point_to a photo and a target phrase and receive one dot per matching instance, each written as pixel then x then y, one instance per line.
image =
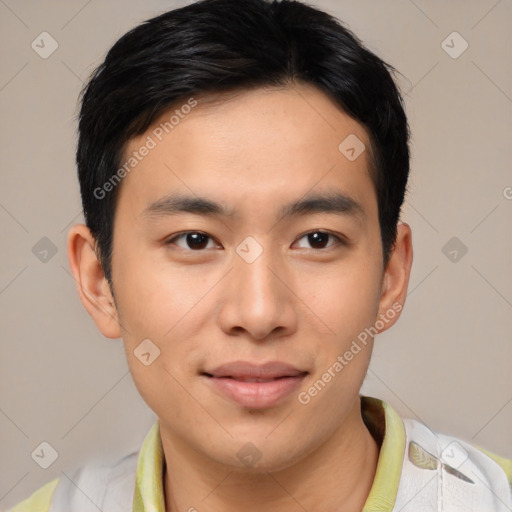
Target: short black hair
pixel 214 46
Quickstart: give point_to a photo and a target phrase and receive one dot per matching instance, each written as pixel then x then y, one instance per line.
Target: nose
pixel 257 300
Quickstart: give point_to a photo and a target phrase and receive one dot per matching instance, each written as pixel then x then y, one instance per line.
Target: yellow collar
pixel 382 421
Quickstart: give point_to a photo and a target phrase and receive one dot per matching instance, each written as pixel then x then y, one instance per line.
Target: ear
pixel 396 277
pixel 93 287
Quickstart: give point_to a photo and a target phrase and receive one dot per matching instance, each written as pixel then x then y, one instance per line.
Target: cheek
pixel 165 384
pixel 154 296
pixel 344 299
pixel 160 310
pixel 348 305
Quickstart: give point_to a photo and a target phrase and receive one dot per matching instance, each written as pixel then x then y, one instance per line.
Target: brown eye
pixel 319 239
pixel 194 240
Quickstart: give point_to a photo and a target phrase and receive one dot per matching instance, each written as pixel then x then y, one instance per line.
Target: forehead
pixel 243 146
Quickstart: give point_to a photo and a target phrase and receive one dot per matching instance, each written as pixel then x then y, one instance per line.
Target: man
pixel 242 167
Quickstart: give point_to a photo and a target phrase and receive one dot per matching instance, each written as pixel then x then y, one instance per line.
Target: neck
pixel 336 477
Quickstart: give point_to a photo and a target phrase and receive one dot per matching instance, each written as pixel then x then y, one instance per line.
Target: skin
pixel 299 303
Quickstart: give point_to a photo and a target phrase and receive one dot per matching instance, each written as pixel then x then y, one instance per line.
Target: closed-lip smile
pixel 254 385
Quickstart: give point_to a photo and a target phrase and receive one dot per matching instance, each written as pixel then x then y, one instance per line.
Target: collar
pixel 388 430
pixel 383 422
pixel 149 490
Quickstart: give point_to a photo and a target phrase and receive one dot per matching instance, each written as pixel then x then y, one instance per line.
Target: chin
pixel 259 454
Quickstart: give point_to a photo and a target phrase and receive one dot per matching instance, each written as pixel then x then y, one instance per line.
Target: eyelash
pixel 338 239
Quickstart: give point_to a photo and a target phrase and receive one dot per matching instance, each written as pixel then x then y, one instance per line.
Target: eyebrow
pixel 324 202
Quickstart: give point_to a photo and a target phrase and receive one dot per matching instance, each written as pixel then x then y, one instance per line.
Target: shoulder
pixel 38 501
pixel 95 486
pixel 505 464
pixel 458 464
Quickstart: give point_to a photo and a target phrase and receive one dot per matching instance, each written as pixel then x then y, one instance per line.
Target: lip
pixel 241 370
pixel 256 386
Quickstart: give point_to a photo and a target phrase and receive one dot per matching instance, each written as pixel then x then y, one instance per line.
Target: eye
pixel 320 238
pixel 194 240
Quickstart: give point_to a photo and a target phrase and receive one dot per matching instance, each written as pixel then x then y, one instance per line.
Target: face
pixel 245 302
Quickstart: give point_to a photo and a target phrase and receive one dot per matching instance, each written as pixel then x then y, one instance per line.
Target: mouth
pixel 250 379
pixel 255 386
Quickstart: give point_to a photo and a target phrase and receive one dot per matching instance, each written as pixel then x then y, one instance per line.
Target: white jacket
pixel 418 470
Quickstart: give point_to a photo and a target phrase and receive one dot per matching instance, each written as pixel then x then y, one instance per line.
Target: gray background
pixel 446 362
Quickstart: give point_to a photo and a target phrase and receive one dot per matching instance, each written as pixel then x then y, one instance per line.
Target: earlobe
pixel 92 285
pixel 396 277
